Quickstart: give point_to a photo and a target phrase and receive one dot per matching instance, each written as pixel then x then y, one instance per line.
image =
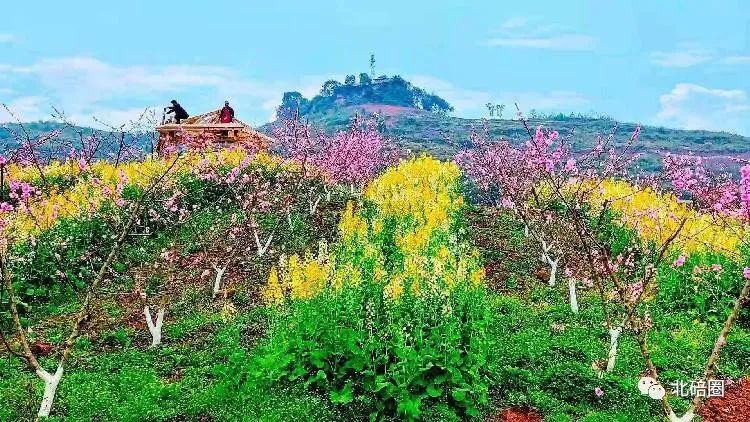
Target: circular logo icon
pixel 650 387
pixel 656 392
pixel 645 383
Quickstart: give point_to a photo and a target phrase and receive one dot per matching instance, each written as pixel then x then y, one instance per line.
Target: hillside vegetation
pixel 331 279
pixel 392 91
pixel 443 136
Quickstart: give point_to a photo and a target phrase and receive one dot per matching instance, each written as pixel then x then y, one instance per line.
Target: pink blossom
pixel 598 392
pixel 570 165
pixel 351 156
pixel 635 291
pixel 507 203
pixel 746 273
pixel 716 267
pixel 679 262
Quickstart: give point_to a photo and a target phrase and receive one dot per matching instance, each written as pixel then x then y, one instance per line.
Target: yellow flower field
pixel 93 185
pixel 656 216
pixel 421 199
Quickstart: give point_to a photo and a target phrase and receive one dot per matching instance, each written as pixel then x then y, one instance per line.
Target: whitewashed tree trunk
pixel 154 327
pixel 328 193
pixel 526 230
pixel 262 248
pixel 614 336
pixel 51 381
pixel 687 417
pixel 573 295
pixel 314 204
pixel 547 259
pixel 545 251
pixel 288 218
pixel 552 271
pixel 217 281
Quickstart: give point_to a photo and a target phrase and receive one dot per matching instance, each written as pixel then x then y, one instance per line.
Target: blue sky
pixel 678 64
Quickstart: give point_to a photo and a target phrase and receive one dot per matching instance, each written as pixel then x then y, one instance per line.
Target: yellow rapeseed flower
pixel 656 216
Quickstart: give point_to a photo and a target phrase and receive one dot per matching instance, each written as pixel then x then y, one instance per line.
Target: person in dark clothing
pixel 226 115
pixel 179 112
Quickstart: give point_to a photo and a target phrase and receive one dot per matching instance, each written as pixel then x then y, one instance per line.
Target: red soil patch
pixel 516 414
pixel 733 407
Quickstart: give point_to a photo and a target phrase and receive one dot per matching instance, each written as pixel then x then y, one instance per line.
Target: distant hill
pixel 8 141
pixel 443 136
pixel 419 121
pixel 383 90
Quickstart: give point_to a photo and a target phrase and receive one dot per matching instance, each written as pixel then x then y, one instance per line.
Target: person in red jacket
pixel 226 115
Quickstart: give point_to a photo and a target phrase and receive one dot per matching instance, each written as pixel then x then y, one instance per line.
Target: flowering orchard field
pixel 331 278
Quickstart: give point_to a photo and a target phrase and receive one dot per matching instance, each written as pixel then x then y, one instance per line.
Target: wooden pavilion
pixel 206 128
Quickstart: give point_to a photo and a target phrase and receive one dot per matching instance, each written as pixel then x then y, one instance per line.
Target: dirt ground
pixel 515 414
pixel 733 407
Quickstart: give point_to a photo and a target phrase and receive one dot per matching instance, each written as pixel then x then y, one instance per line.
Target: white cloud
pixel 472 103
pixel 692 106
pixel 519 32
pixel 86 87
pixel 737 60
pixel 681 58
pixel 91 80
pixel 692 54
pixel 24 109
pixel 7 38
pixel 560 42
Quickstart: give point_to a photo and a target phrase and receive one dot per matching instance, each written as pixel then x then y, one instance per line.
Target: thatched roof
pixel 212 118
pixel 236 131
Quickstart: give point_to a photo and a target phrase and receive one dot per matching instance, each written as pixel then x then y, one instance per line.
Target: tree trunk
pixel 552 270
pixel 545 252
pixel 614 336
pixel 217 280
pixel 51 381
pixel 154 327
pixel 261 248
pixel 573 295
pixel 314 204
